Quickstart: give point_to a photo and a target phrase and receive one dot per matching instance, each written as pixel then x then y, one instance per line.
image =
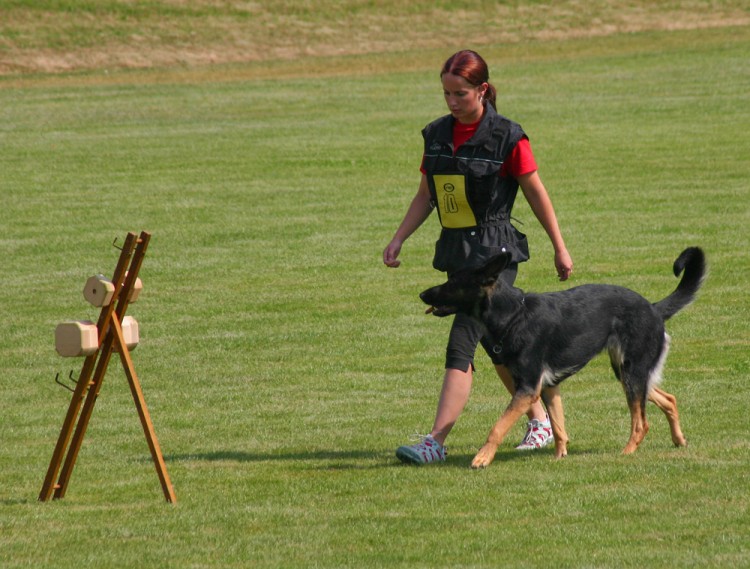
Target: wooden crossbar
pixel 90 380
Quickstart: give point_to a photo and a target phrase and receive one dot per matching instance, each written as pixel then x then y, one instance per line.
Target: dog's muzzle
pixel 433 309
pixel 440 310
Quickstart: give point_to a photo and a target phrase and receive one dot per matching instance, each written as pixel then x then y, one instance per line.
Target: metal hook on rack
pixel 114 244
pixel 70 376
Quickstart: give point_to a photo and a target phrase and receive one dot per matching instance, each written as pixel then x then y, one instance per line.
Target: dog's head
pixel 465 290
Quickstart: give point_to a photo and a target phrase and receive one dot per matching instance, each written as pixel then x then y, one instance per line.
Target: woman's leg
pixel 453 399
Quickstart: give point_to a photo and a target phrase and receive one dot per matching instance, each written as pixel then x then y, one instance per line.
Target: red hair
pixel 470 65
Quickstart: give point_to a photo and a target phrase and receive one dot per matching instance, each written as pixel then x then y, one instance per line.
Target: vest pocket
pixel 467 248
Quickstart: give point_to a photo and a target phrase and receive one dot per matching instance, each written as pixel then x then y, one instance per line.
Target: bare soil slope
pixel 53 36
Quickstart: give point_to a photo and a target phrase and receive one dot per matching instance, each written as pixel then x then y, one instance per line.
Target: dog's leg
pixel 518 407
pixel 553 402
pixel 668 404
pixel 638 426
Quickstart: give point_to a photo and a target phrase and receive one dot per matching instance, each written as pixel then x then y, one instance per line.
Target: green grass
pixel 282 363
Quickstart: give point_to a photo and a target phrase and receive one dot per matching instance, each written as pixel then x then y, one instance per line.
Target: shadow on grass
pixel 510 455
pixel 18 501
pixel 332 460
pixel 345 459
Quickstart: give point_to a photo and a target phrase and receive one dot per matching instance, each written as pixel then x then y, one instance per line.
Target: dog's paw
pixel 679 440
pixel 484 457
pixel 561 451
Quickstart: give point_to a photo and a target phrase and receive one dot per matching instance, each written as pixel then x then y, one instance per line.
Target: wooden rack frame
pixel 90 381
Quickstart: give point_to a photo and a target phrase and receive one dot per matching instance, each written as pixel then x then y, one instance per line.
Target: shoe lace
pixel 417 438
pixel 532 430
pixel 420 439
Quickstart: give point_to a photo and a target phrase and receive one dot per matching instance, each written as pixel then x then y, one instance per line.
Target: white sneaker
pixel 427 450
pixel 538 435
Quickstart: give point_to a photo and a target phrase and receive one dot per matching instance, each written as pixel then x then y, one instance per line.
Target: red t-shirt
pixel 521 160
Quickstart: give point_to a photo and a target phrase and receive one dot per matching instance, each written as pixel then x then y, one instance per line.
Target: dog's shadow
pixel 509 456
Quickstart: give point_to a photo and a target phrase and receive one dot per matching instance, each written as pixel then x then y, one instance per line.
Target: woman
pixel 474 161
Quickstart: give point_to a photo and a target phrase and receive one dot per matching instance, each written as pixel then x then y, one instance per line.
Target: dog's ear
pixel 491 270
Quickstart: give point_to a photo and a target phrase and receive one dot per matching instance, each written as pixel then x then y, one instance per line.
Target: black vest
pixel 490 197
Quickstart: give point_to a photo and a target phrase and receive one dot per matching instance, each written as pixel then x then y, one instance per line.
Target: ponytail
pixel 490 95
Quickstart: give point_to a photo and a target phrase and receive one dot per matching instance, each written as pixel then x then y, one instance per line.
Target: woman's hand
pixel 563 264
pixel 391 253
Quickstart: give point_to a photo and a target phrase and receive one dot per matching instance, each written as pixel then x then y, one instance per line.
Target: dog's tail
pixel 693 262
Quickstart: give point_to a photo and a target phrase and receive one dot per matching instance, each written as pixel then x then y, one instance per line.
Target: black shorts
pixel 466 334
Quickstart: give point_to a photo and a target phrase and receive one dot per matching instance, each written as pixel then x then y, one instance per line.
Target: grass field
pixel 283 364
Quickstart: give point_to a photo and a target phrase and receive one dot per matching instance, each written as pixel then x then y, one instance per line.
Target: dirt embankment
pixel 116 34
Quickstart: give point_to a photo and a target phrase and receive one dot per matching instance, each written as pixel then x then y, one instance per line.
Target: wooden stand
pixel 90 381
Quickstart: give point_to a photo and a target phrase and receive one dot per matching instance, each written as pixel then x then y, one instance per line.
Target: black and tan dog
pixel 545 338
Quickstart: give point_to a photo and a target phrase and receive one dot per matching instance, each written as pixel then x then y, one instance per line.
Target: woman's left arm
pixel 541 204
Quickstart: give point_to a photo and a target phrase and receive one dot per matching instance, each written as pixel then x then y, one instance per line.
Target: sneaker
pixel 427 450
pixel 538 435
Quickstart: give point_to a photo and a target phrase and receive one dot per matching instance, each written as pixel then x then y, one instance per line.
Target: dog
pixel 545 338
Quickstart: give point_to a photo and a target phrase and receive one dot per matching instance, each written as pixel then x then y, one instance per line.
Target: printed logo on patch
pixel 453 205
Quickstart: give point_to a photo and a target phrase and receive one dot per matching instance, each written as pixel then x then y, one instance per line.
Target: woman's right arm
pixel 418 212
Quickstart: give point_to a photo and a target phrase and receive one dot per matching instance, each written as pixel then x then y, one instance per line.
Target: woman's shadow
pixel 343 459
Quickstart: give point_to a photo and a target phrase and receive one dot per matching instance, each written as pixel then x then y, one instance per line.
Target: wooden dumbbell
pixel 130 332
pixel 99 290
pixel 76 338
pixel 136 290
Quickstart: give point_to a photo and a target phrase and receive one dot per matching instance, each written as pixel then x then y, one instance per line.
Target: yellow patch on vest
pixel 454 208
